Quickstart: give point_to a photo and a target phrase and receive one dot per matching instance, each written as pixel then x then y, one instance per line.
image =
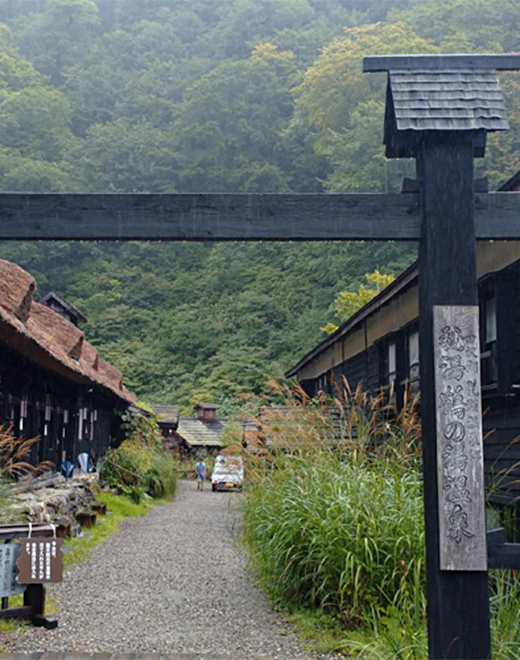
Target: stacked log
pixel 49 499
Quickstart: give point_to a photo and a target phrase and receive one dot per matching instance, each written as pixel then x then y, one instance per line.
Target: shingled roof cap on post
pixel 441 93
pixel 508 62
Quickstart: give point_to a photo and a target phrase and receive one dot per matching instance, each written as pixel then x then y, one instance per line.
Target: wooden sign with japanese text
pixel 41 560
pixel 460 455
pixel 9 554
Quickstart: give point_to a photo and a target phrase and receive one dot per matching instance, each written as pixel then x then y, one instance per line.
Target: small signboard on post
pixel 41 560
pixel 9 586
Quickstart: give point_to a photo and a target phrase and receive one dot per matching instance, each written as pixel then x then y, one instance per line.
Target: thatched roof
pixel 16 289
pixel 45 337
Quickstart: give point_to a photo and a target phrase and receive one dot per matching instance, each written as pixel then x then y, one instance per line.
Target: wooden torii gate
pixel 439 109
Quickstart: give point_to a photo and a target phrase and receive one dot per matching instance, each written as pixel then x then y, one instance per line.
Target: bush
pixel 140 465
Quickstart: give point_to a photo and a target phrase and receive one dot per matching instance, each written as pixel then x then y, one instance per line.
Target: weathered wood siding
pixel 501 400
pixel 502 447
pixel 22 379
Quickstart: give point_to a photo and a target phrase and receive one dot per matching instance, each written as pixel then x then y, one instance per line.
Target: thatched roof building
pixel 47 338
pixel 53 383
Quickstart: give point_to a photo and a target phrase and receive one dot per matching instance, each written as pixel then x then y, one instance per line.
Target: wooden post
pixel 458 600
pixel 34 597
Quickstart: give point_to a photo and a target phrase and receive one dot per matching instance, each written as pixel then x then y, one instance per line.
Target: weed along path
pixel 171 582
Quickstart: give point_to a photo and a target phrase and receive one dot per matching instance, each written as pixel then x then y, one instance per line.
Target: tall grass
pixel 14 457
pixel 339 535
pixel 336 522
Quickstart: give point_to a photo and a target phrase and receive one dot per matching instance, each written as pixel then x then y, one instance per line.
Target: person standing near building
pixel 200 470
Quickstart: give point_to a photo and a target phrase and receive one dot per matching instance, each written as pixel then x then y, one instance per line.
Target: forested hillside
pixel 227 96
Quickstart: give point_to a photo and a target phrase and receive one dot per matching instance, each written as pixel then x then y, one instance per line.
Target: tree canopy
pixel 348 303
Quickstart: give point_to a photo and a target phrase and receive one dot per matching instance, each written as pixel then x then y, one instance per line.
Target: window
pixel 488 364
pixel 392 363
pixel 413 356
pixel 23 413
pixel 9 408
pixel 491 320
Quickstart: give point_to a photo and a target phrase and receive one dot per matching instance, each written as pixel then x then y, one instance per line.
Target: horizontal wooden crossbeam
pixel 248 217
pixel 242 217
pixel 497 216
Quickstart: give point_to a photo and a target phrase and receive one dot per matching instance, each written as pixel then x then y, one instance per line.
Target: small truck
pixel 228 473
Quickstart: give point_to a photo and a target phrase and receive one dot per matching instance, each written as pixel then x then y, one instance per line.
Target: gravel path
pixel 173 581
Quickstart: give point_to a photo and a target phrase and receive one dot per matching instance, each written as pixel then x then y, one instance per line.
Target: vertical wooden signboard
pixel 460 456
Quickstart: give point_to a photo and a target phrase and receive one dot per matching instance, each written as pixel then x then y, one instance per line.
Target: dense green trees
pixel 216 95
pixel 126 156
pixel 347 119
pixel 229 125
pixel 58 36
pixel 36 139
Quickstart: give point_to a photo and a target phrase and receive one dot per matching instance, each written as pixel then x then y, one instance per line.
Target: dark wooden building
pixel 379 347
pixel 168 421
pixel 53 384
pixel 54 301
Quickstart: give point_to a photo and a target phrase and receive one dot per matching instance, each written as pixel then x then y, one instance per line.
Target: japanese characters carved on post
pixel 460 461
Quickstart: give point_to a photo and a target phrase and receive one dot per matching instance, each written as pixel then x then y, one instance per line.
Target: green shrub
pixel 140 466
pixel 135 470
pixel 161 479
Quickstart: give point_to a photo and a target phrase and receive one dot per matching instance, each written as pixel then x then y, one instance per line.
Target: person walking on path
pixel 200 469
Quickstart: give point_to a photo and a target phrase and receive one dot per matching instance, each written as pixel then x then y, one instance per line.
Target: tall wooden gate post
pixel 439 109
pixel 458 601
